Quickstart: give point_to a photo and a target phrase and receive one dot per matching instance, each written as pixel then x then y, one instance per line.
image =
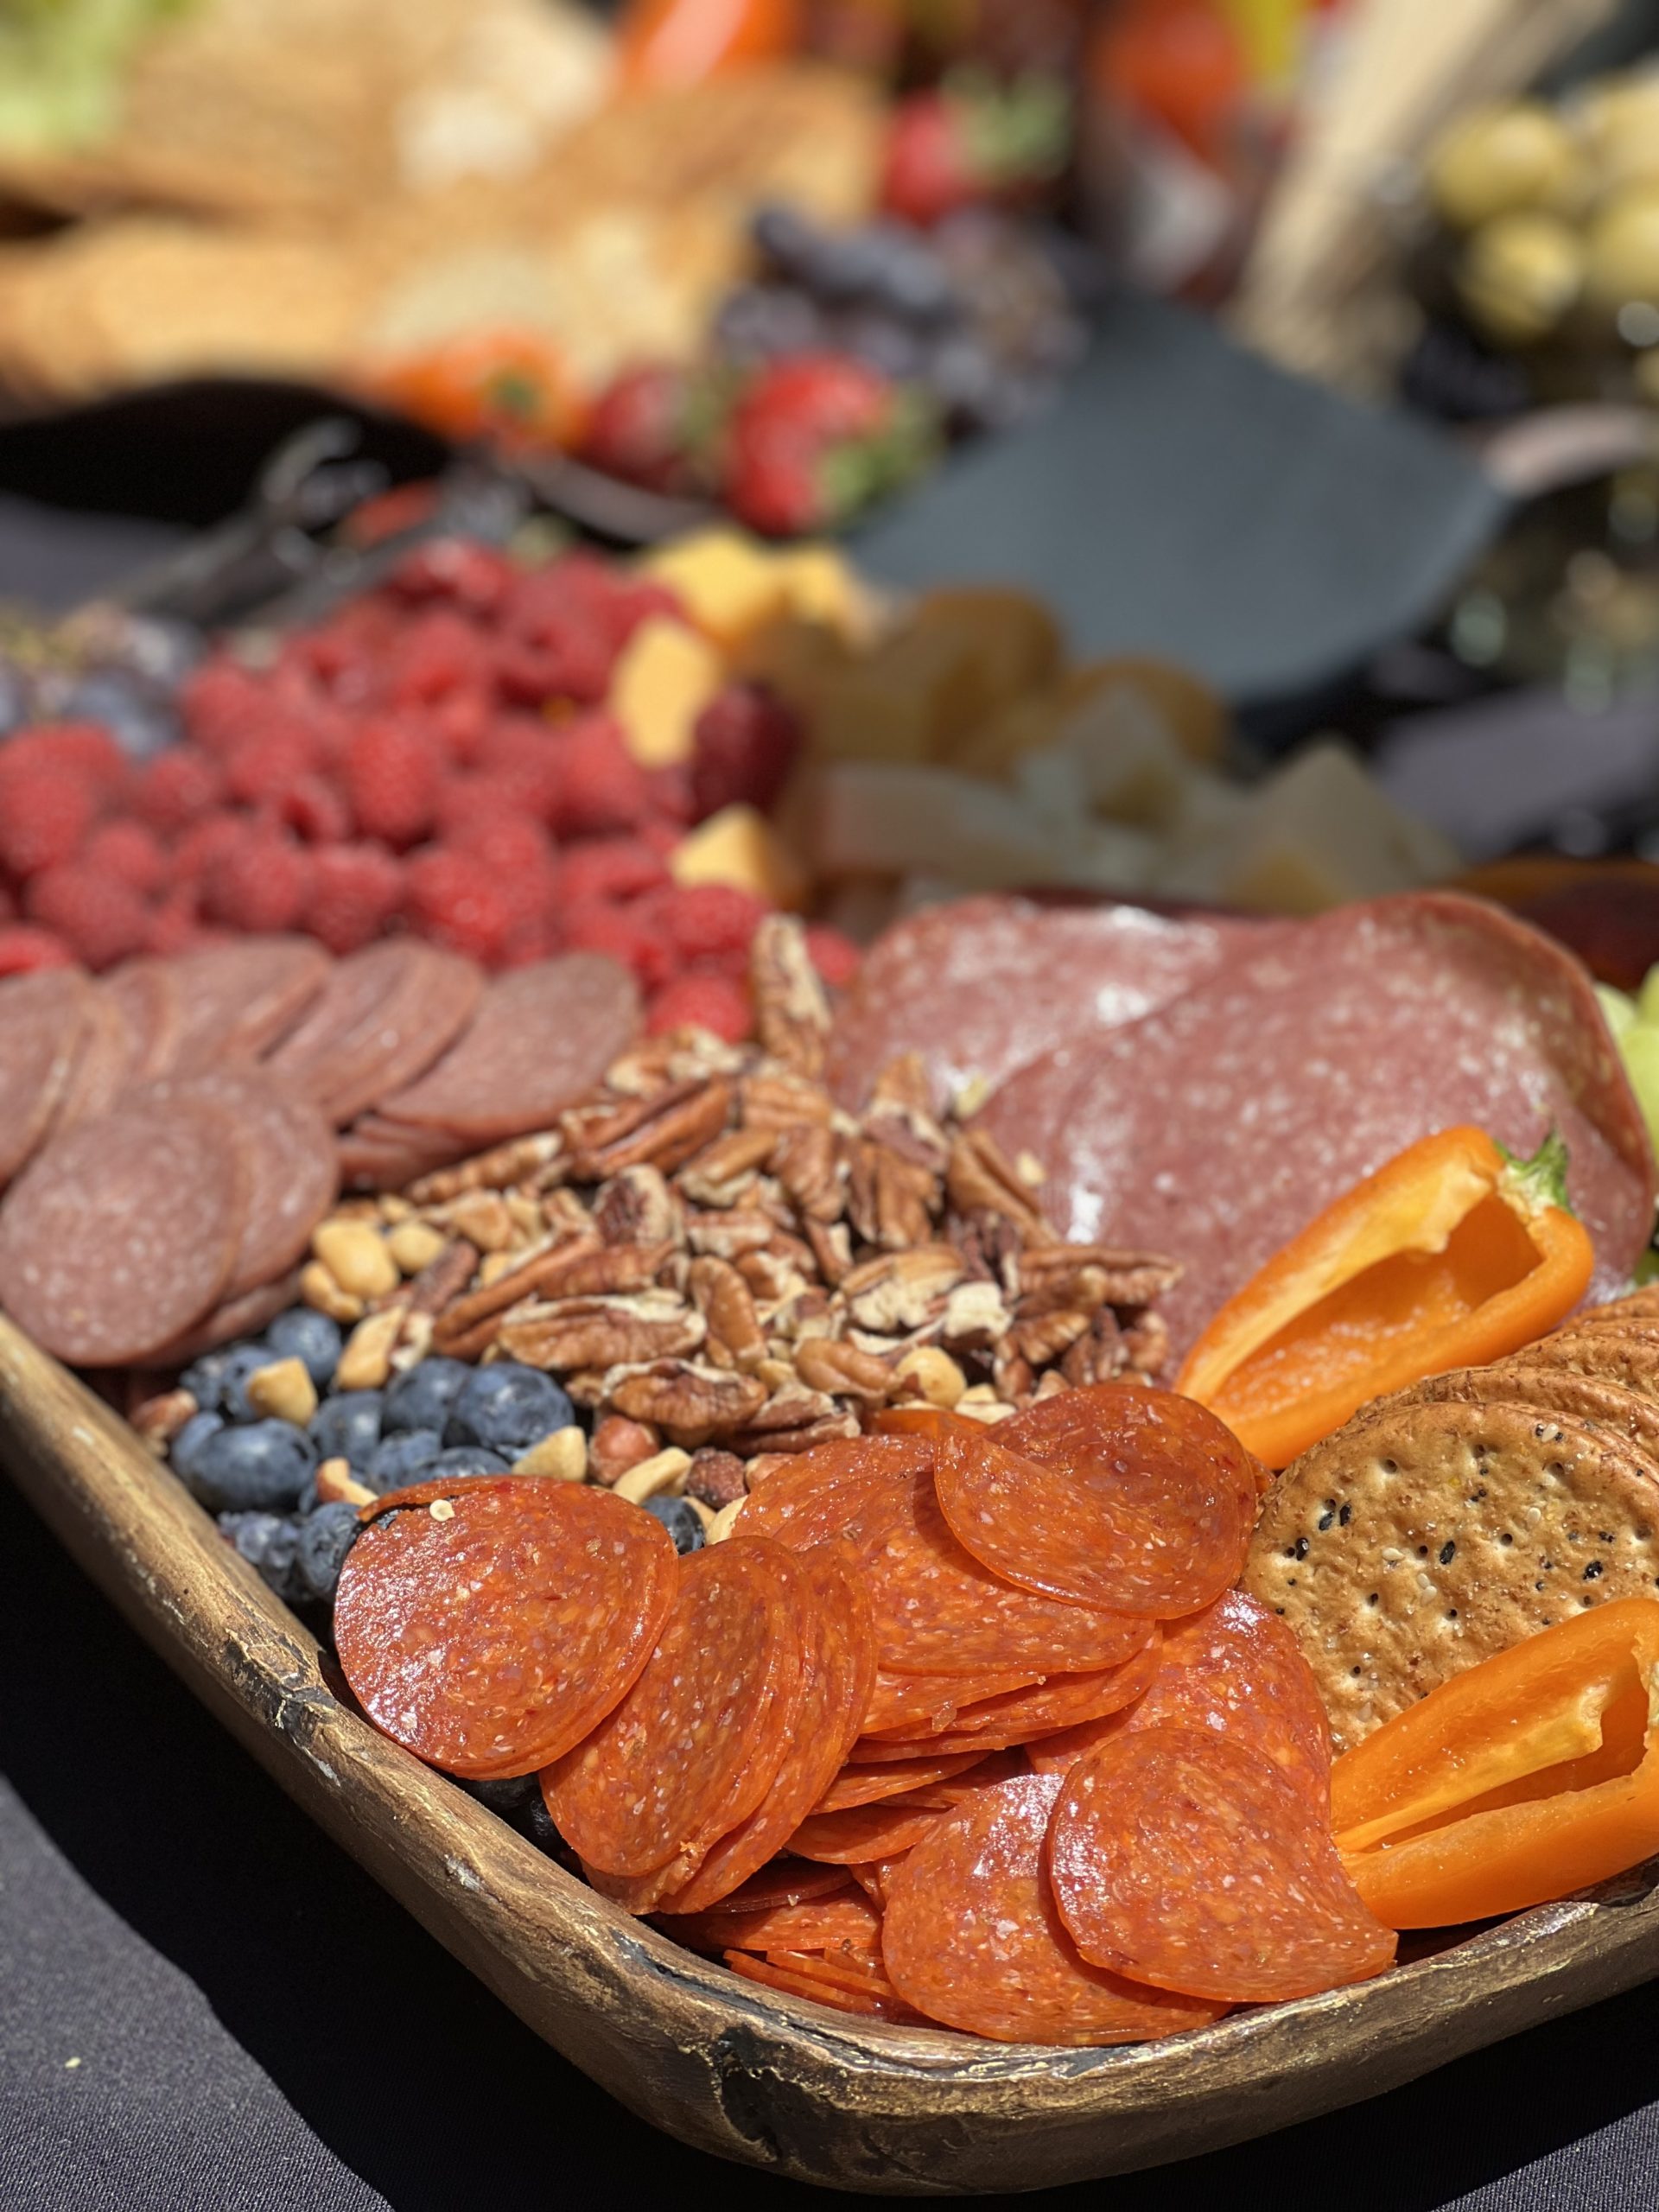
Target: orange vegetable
pixel 665 44
pixel 1528 1776
pixel 513 385
pixel 1453 1254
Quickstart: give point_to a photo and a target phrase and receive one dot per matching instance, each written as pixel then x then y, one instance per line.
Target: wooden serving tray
pixel 773 2081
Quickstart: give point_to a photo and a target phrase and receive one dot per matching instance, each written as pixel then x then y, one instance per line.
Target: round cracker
pixel 1632 1418
pixel 1628 1355
pixel 1640 1309
pixel 1417 1542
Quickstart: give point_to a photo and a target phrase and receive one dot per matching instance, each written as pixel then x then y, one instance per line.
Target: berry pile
pixel 435 757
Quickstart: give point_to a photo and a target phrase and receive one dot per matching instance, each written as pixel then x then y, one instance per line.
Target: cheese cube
pixel 1195 716
pixel 1010 636
pixel 1131 767
pixel 730 584
pixel 819 584
pixel 664 679
pixel 864 819
pixel 1319 831
pixel 739 846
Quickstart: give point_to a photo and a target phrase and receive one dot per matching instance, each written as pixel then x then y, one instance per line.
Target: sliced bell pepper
pixel 1528 1776
pixel 1453 1254
pixel 673 43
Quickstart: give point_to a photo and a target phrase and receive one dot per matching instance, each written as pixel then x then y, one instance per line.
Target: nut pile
pixel 721 1265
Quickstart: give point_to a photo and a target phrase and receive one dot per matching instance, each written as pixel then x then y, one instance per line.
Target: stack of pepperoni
pixel 960 1725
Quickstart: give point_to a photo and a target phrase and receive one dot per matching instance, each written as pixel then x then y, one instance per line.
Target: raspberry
pixel 708 921
pixel 177 788
pixel 438 653
pixel 836 958
pixel 84 749
pixel 221 702
pixel 459 568
pixel 672 799
pixel 202 844
pixel 314 809
pixel 24 948
pixel 174 926
pixel 45 815
pixel 714 1002
pixel 131 853
pixel 627 936
pixel 526 758
pixel 745 744
pixel 8 906
pixel 355 892
pixel 602 788
pixel 99 919
pixel 519 854
pixel 609 870
pixel 267 763
pixel 261 883
pixel 568 659
pixel 452 899
pixel 392 774
pixel 460 723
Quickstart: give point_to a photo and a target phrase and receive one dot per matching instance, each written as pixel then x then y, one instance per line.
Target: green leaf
pixel 1542 1180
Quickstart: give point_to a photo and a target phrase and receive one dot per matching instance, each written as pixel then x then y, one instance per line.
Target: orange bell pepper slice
pixel 669 44
pixel 1532 1775
pixel 1451 1254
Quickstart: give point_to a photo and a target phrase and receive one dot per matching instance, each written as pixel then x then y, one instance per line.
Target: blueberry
pixel 348 1427
pixel 423 1397
pixel 396 1460
pixel 188 1444
pixel 325 1537
pixel 269 1542
pixel 308 1501
pixel 304 1333
pixel 218 1380
pixel 507 1407
pixel 259 1466
pixel 680 1518
pixel 905 276
pixel 463 1459
pixel 785 238
pixel 764 321
pixel 871 336
pixel 508 1796
pixel 537 1822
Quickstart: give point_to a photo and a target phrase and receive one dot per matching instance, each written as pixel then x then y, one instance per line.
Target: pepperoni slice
pixel 848 1922
pixel 859 1974
pixel 798 1981
pixel 883 1829
pixel 42 1020
pixel 837 1667
pixel 936 1610
pixel 1233 1670
pixel 785 1881
pixel 868 1785
pixel 121 1234
pixel 382 1018
pixel 491 1632
pixel 916 1705
pixel 971 1937
pixel 1115 1496
pixel 1029 1716
pixel 873 1876
pixel 1190 1862
pixel 696 1745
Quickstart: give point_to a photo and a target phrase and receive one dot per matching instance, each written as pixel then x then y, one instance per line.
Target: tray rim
pixel 770 2080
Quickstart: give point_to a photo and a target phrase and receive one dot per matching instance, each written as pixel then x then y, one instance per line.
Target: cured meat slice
pixel 1190 1862
pixel 1066 1703
pixel 1233 1670
pixel 244 1315
pixel 490 1632
pixel 383 1018
pixel 121 1233
pixel 376 1154
pixel 854 1973
pixel 971 1937
pixel 846 1921
pixel 293 1161
pixel 936 1608
pixel 928 1704
pixel 984 985
pixel 868 1785
pixel 874 1875
pixel 239 998
pixel 882 1830
pixel 696 1745
pixel 42 1018
pixel 837 1667
pixel 1217 1127
pixel 542 1036
pixel 799 1983
pixel 148 995
pixel 104 1065
pixel 1114 1495
pixel 785 1881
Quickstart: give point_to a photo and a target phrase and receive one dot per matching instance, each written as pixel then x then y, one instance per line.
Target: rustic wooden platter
pixel 778 2083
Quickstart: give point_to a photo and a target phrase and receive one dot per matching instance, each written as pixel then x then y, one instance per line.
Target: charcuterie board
pixel 775 2082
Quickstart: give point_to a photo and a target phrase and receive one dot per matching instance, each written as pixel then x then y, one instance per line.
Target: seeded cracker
pixel 1630 1417
pixel 1626 1355
pixel 1421 1540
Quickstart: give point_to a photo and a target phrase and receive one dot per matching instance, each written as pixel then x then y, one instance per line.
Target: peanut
pixel 934 1374
pixel 366 1361
pixel 562 1454
pixel 356 1254
pixel 415 1245
pixel 318 1288
pixel 661 1475
pixel 283 1390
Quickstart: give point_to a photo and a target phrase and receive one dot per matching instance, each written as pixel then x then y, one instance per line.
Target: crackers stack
pixel 1453 1519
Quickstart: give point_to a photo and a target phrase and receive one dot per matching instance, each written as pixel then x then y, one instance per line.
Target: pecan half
pixel 891 1201
pixel 721 1172
pixel 663 1132
pixel 688 1401
pixel 791 1008
pixel 844 1371
pixel 443 1280
pixel 521 1159
pixel 536 1273
pixel 782 1102
pixel 811 1167
pixel 793 1419
pixel 902 1290
pixel 726 1304
pixel 1090 1274
pixel 1044 1339
pixel 637 1207
pixel 601 1331
pixel 981 1179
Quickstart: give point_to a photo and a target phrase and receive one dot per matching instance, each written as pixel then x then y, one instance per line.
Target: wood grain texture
pixel 780 2084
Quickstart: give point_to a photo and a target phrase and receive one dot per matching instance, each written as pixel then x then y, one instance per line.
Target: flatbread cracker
pixel 1421 1540
pixel 1632 1418
pixel 1641 1307
pixel 1627 1355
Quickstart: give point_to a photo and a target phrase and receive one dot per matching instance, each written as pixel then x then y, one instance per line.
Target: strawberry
pixel 970 141
pixel 745 744
pixel 815 436
pixel 654 425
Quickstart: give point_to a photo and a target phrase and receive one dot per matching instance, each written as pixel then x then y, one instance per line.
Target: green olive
pixel 1620 120
pixel 1519 275
pixel 1497 160
pixel 1621 250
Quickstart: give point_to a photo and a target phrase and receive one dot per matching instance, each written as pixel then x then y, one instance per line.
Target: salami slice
pixel 800 1982
pixel 294 1163
pixel 376 1154
pixel 1059 1705
pixel 540 1037
pixel 244 1315
pixel 785 1881
pixel 847 1921
pixel 868 1785
pixel 697 1741
pixel 493 1635
pixel 42 1018
pixel 380 1021
pixel 936 1608
pixel 1233 1670
pixel 1217 1127
pixel 1115 1496
pixel 983 986
pixel 104 1065
pixel 239 998
pixel 837 1667
pixel 148 995
pixel 971 1937
pixel 122 1234
pixel 1192 1863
